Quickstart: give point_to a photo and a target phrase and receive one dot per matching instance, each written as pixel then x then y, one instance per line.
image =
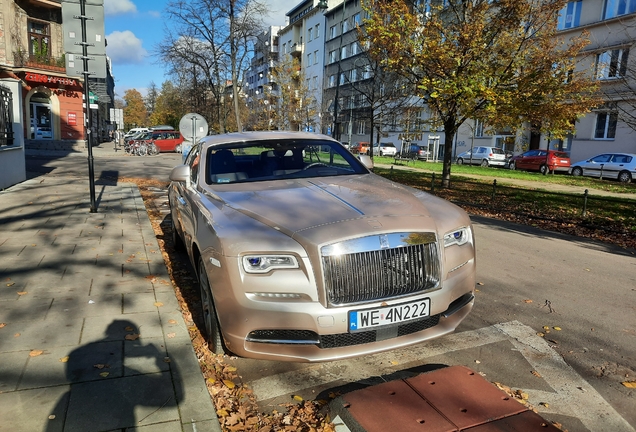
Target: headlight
pixel 458 237
pixel 267 263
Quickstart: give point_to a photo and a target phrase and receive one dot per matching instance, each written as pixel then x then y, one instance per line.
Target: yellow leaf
pixel 480 283
pixel 629 384
pixel 222 413
pixel 21 293
pixel 298 398
pixel 3 325
pixel 171 335
pixel 64 359
pixel 393 362
pixel 546 328
pixel 158 304
pixel 540 334
pixel 211 380
pixel 16 335
pixel 35 353
pixel 527 301
pixel 230 369
pixel 11 284
pixel 535 373
pixel 557 328
pixel 229 384
pixel 172 321
pixel 104 374
pixel 131 337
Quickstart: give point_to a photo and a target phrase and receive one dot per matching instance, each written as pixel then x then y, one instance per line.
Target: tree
pixel 169 106
pixel 294 104
pixel 135 110
pixel 151 98
pixel 214 38
pixel 500 62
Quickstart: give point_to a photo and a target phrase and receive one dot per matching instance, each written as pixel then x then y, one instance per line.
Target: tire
pixel 210 320
pixel 177 148
pixel 512 166
pixel 577 171
pixel 544 169
pixel 142 150
pixel 153 150
pixel 484 163
pixel 625 177
pixel 460 161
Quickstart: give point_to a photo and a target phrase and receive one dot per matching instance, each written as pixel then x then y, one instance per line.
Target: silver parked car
pixel 619 166
pixel 384 149
pixel 305 255
pixel 484 156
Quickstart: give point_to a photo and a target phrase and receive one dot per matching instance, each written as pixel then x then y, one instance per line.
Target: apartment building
pixel 612 32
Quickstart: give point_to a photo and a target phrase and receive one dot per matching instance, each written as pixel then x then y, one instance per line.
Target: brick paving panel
pixel 390 406
pixel 464 397
pixel 524 422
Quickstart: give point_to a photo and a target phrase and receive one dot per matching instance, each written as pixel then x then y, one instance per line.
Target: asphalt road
pixel 583 292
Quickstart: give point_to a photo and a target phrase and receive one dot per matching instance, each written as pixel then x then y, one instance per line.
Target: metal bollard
pixel 494 189
pixel 433 182
pixel 585 202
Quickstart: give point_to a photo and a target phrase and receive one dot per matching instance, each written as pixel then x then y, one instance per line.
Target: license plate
pixel 388 315
pixel 564 161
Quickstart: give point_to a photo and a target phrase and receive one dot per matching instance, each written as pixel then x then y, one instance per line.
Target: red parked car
pixel 544 161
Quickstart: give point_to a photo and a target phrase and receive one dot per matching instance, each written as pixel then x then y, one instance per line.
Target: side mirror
pixel 181 173
pixel 366 161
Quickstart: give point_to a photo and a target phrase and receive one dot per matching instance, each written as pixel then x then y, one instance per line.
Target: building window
pixel 343 78
pixel 354 48
pixel 317 31
pixel 606 125
pixel 354 75
pixel 284 48
pixel 308 59
pixel 332 80
pixel 309 34
pixel 570 15
pixel 614 8
pixel 479 128
pixel 343 52
pixel 360 127
pixel 39 40
pixel 332 32
pixel 612 64
pixel 356 19
pixel 315 57
pixel 333 56
pixel 345 26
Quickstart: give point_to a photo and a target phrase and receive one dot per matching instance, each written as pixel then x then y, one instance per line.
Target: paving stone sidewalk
pixel 91 335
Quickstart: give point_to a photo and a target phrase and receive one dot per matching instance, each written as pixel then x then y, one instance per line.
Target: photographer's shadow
pixel 118 382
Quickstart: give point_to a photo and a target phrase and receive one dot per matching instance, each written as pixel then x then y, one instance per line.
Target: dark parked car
pixel 418 151
pixel 544 161
pixel 306 255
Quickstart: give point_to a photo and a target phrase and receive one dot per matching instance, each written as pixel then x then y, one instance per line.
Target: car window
pixel 531 153
pixel 267 160
pixel 496 150
pixel 193 161
pixel 561 155
pixel 542 153
pixel 601 158
pixel 621 158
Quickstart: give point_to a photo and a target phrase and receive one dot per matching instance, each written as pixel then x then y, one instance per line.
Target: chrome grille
pixel 381 274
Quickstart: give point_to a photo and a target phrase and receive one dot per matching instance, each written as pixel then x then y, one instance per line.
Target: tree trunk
pixel 449 134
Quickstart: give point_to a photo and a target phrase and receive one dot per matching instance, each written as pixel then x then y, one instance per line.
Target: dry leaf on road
pixel 35 353
pixel 158 304
pixel 629 384
pixel 131 337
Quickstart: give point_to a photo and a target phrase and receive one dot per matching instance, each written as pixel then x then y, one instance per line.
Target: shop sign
pixel 71 119
pixel 40 78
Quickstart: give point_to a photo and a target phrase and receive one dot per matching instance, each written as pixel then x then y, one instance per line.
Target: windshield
pixel 279 159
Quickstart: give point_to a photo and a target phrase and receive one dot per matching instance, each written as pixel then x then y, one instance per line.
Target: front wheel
pixel 624 177
pixel 577 171
pixel 210 319
pixel 512 166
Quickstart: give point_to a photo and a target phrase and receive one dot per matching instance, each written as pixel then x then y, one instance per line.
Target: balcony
pixel 296 50
pixel 22 59
pixel 51 4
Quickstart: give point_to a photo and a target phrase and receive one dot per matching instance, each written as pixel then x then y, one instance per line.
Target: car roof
pixel 237 137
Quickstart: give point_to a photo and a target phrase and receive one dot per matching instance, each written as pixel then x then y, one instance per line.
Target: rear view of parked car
pixel 484 156
pixel 384 149
pixel 619 166
pixel 360 148
pixel 418 151
pixel 544 161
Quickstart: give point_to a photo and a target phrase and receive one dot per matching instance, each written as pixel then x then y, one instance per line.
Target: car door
pixel 594 166
pixel 479 155
pixel 187 195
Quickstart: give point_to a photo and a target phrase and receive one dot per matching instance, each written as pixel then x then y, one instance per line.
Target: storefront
pixel 53 107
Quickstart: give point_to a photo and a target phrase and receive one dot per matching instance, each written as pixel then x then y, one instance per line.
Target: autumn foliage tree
pixel 135 110
pixel 501 62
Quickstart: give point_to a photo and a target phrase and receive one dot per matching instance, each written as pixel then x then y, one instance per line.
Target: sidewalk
pixel 91 336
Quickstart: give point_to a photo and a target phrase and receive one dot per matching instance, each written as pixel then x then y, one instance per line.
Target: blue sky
pixel 135 27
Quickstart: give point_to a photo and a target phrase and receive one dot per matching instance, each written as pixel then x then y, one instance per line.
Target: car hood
pixel 298 205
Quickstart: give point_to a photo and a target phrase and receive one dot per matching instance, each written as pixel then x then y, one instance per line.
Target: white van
pixel 134 131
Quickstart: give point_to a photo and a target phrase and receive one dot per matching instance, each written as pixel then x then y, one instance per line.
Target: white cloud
pixel 118 7
pixel 125 48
